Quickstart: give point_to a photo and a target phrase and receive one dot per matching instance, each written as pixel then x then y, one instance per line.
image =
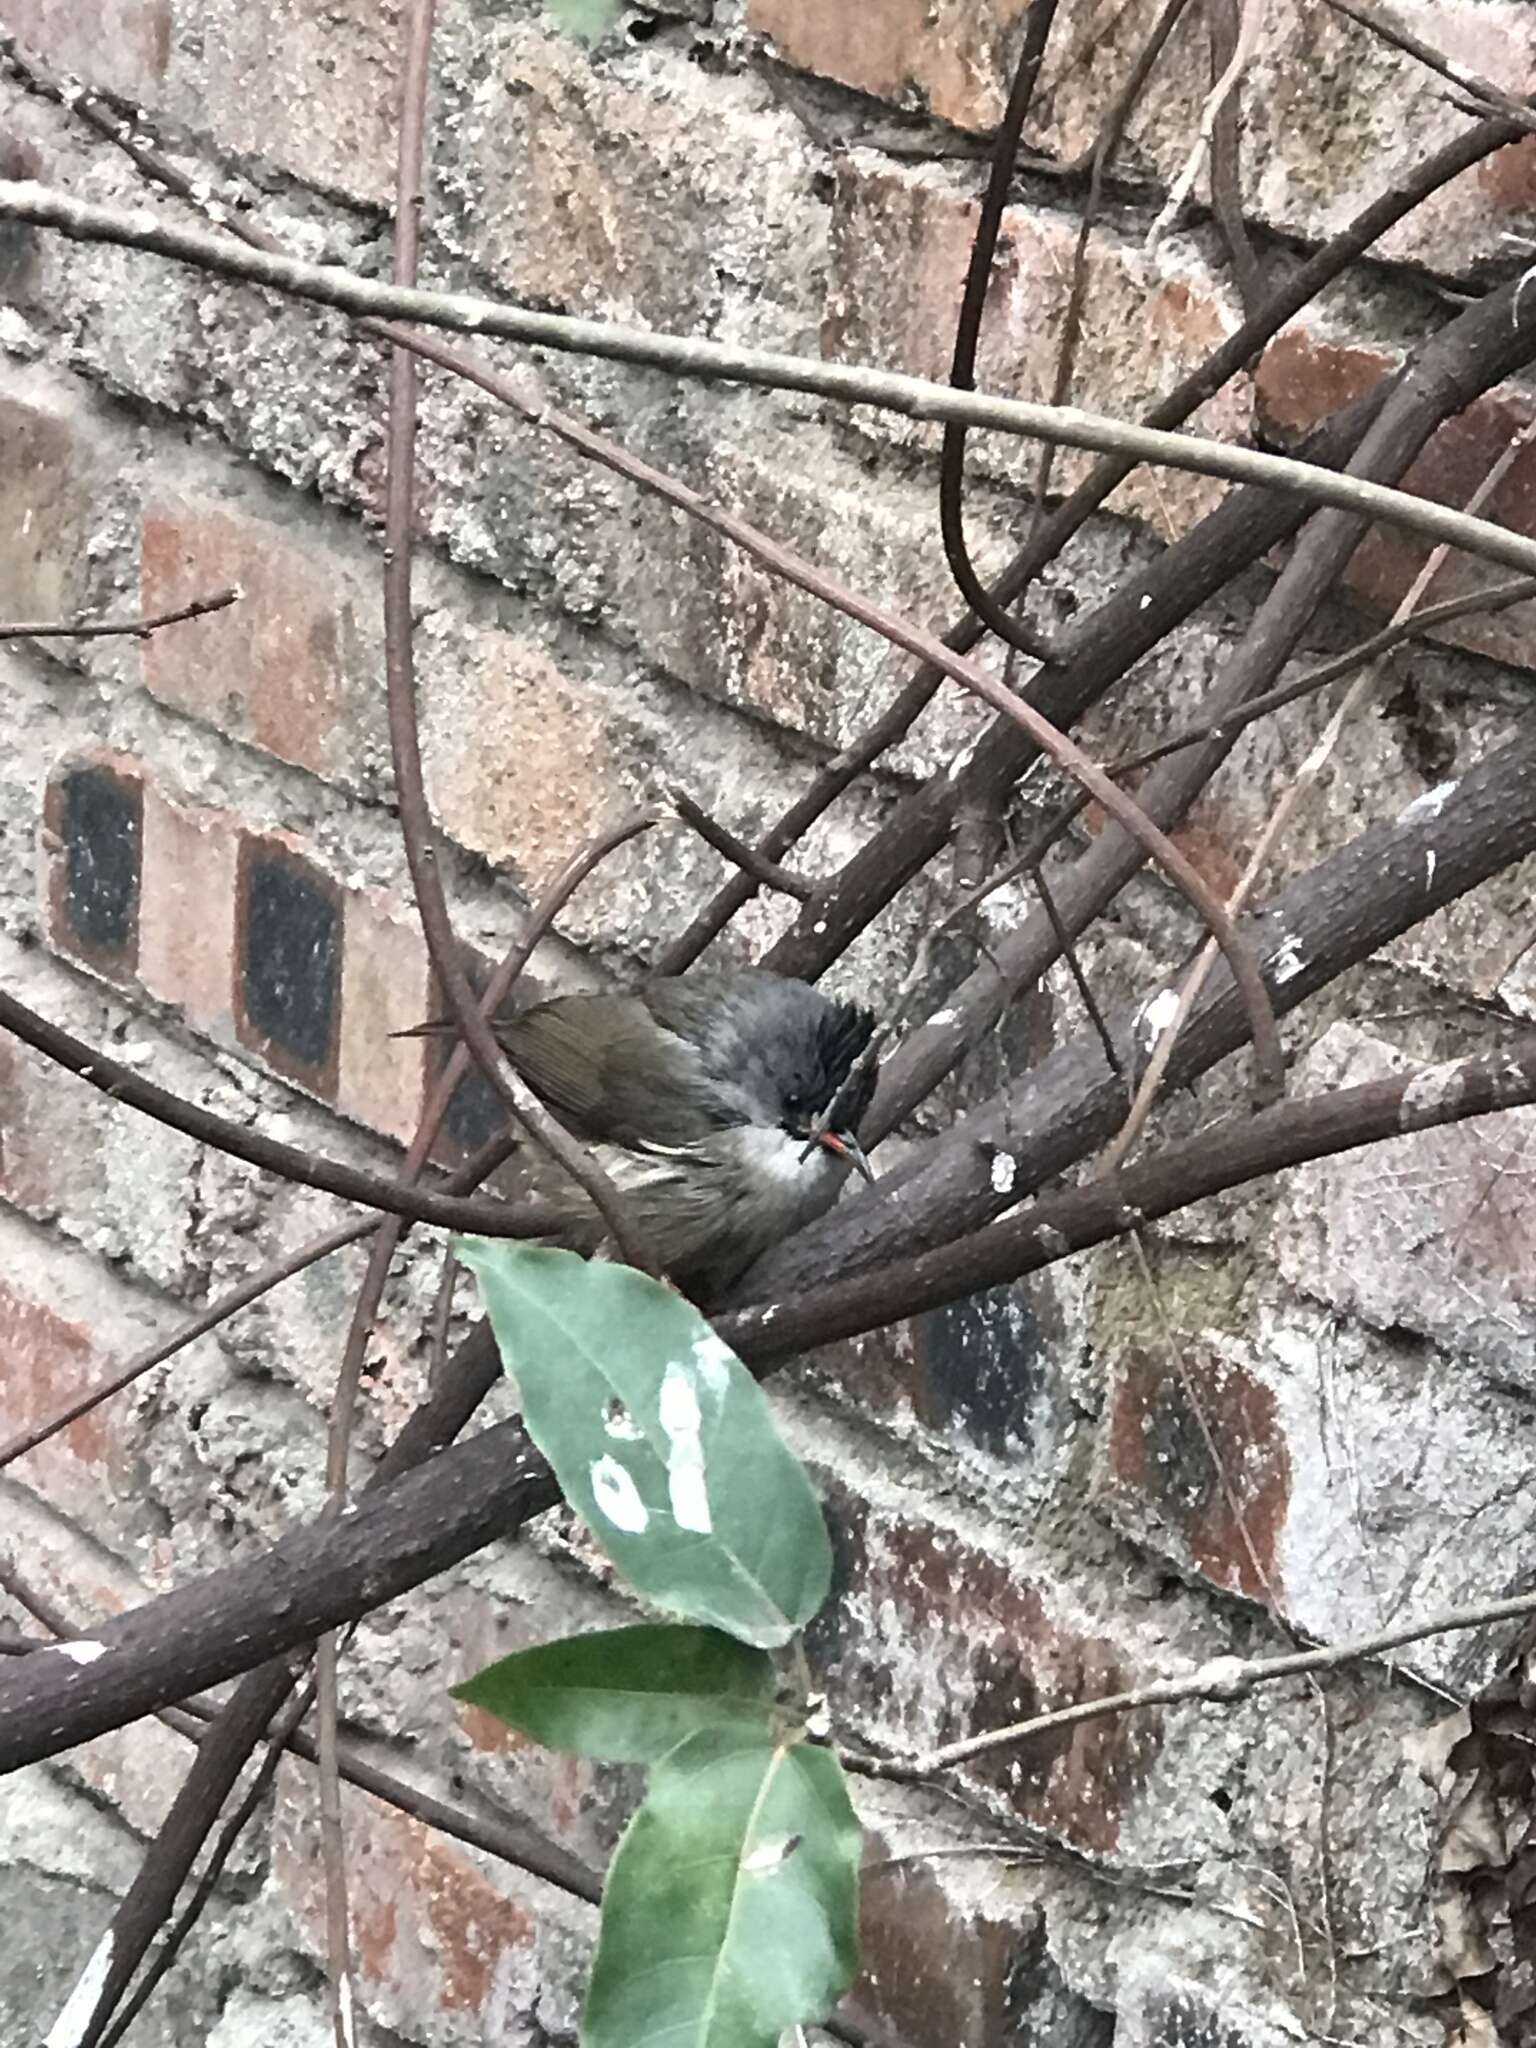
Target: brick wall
pixel 201 873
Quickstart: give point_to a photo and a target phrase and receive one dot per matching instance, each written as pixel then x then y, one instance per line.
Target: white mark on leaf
pixel 617 1496
pixel 619 1423
pixel 712 1360
pixel 680 1422
pixel 770 1856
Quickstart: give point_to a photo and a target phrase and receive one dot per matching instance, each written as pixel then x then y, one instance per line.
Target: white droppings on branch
pixel 1158 1014
pixel 83 1652
pixel 1429 805
pixel 1429 1094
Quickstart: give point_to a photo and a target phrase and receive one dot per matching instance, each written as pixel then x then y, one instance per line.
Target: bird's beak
pixel 845 1146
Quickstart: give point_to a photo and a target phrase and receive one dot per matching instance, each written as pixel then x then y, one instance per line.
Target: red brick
pixel 49 1359
pixel 187 922
pixel 294 667
pixel 50 478
pixel 428 1924
pixel 122 45
pixel 50 1128
pixel 957 56
pixel 900 240
pixel 980 1647
pixel 1206 1510
pixel 1331 115
pixel 65 1324
pixel 1302 379
pixel 521 763
pixel 926 1970
pixel 725 625
pixel 384 988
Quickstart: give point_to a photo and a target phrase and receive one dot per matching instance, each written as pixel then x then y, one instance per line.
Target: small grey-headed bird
pixel 702 1097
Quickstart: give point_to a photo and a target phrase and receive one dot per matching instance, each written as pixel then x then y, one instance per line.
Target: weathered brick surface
pixel 1331 115
pixel 124 45
pixel 900 238
pixel 50 473
pixel 640 189
pixel 295 667
pixel 1429 1233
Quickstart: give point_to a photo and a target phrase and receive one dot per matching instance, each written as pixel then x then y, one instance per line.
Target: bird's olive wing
pixel 604 1068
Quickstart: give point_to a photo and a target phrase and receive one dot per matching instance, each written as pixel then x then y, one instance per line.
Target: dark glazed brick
pixel 475 1113
pixel 97 818
pixel 981 1367
pixel 288 963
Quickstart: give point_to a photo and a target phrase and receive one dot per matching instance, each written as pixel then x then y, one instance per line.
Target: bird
pixel 705 1099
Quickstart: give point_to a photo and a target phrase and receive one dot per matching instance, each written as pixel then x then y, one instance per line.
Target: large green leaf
pixel 588 19
pixel 628 1694
pixel 730 1909
pixel 660 1438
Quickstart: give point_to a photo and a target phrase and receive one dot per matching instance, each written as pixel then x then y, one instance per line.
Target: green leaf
pixel 660 1438
pixel 588 19
pixel 730 1909
pixel 627 1694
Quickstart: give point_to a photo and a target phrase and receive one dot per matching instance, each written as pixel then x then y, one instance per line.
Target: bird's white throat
pixel 783 1159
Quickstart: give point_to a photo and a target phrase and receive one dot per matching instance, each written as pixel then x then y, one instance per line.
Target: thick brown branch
pixel 329 1572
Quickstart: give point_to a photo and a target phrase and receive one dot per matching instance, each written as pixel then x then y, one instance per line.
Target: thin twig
pixel 688 356
pixel 1225 1679
pixel 747 858
pixel 1280 815
pixel 1224 18
pixel 1225 86
pixel 136 629
pixel 416 29
pixel 1105 143
pixel 1494 97
pixel 1074 967
pixel 962 368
